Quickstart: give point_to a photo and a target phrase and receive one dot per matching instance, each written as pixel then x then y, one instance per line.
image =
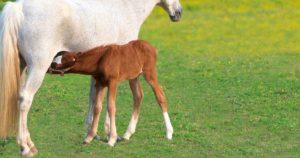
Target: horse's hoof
pixel 169 136
pixel 84 143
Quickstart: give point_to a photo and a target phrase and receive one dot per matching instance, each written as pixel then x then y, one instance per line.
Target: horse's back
pixel 77 24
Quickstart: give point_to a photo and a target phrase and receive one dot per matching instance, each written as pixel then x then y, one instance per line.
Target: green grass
pixel 231 73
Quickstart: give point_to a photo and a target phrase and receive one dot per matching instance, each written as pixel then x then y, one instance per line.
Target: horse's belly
pixel 96 25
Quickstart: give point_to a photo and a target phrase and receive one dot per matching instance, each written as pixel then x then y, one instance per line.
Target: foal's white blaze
pixel 131 128
pixel 57 60
pixel 168 125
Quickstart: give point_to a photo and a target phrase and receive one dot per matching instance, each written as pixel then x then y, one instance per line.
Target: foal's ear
pixel 76 56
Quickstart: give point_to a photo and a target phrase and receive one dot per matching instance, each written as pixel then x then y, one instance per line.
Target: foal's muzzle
pixel 176 17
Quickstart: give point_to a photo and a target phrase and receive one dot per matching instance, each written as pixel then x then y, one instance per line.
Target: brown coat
pixel 112 62
pixel 109 65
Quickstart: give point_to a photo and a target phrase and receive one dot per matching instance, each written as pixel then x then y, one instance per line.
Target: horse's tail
pixel 11 17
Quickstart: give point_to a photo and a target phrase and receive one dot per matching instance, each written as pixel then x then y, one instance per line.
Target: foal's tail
pixel 10 20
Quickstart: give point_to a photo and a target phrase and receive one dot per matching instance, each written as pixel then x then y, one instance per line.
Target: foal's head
pixel 68 59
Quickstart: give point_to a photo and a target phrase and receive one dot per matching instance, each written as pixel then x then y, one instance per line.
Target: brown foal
pixel 110 65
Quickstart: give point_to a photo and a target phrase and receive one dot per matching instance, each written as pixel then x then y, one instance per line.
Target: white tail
pixel 11 18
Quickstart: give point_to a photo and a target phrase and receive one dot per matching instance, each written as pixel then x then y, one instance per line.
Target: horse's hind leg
pixel 92 102
pixel 137 92
pixel 151 78
pixel 34 80
pixel 23 68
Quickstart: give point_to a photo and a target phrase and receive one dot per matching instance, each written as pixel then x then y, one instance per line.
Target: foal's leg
pixel 97 110
pixel 137 92
pixel 107 124
pixel 151 78
pixel 111 108
pixel 36 75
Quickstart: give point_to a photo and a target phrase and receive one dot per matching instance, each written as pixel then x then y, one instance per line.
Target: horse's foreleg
pixel 30 87
pixel 151 78
pixel 97 110
pixel 92 102
pixel 137 92
pixel 111 108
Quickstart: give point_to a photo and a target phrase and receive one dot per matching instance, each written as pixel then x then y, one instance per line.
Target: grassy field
pixel 231 73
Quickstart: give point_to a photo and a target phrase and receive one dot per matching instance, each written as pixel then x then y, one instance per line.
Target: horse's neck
pixel 142 9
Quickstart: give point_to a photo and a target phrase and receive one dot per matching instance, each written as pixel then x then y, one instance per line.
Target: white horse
pixel 33 31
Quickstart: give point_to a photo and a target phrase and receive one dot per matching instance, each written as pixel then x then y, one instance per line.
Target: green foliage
pixel 2 2
pixel 231 73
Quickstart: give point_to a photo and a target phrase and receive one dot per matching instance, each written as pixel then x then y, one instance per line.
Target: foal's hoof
pixel 33 150
pixel 88 139
pixel 84 143
pixel 26 152
pixel 126 136
pixel 111 144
